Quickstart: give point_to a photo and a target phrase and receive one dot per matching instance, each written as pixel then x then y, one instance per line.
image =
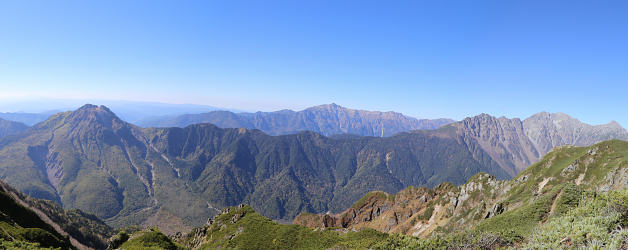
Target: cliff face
pixel 503 139
pixel 516 144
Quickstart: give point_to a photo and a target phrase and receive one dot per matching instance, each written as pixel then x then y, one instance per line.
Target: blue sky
pixel 422 58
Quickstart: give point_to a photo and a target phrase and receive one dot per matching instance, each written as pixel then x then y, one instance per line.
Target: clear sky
pixel 426 59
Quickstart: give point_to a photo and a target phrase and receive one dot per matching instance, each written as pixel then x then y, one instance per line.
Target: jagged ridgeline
pixel 330 119
pixel 27 223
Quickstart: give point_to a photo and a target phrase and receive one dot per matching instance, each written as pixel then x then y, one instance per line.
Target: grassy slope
pixel 150 239
pixel 243 228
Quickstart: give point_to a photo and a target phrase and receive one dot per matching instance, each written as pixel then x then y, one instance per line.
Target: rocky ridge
pixel 448 208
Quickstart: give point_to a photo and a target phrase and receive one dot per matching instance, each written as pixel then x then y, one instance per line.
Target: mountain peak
pixel 331 106
pixel 94 108
pixel 613 124
pixel 482 116
pixel 90 113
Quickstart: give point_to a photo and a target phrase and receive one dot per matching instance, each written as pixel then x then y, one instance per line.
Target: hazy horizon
pixel 71 104
pixel 422 59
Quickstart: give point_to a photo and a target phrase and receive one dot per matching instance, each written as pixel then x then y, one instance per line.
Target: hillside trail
pixel 554 204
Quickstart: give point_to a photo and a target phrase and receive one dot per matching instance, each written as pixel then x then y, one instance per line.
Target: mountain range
pixel 28 119
pixel 574 198
pixel 329 119
pixel 31 111
pixel 174 177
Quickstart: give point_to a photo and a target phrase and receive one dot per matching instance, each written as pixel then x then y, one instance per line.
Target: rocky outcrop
pixel 385 212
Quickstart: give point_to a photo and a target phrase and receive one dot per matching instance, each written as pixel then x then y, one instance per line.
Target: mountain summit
pixel 547 131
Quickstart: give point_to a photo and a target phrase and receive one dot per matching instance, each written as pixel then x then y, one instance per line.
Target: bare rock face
pixel 547 131
pixel 504 140
pixel 516 144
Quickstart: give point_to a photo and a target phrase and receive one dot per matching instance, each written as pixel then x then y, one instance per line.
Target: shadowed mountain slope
pixel 27 223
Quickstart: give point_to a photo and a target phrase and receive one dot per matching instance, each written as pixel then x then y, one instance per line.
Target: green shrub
pixel 427 214
pixel 152 239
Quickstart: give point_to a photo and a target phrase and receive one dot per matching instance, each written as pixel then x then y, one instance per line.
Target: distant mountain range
pixel 28 119
pixel 330 119
pixel 175 177
pixel 35 110
pixel 11 127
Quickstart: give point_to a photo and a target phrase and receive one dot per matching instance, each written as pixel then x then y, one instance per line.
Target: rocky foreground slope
pixel 543 190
